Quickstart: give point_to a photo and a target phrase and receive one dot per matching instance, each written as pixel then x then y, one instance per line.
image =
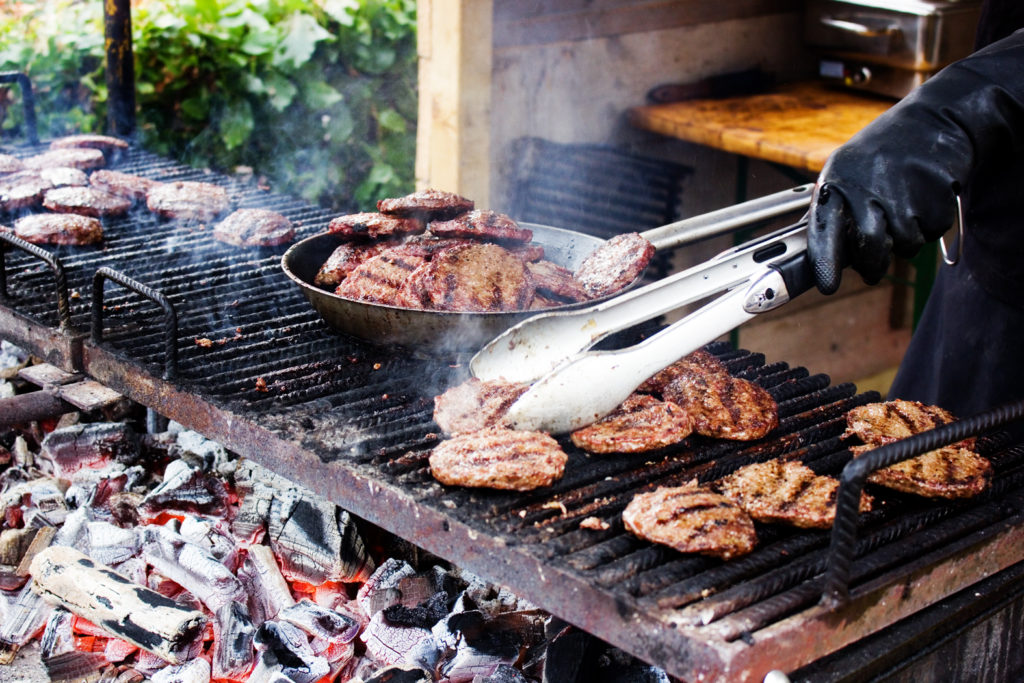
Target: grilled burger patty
pixel 22 190
pixel 59 228
pixel 691 519
pixel 954 471
pixel 104 143
pixel 427 205
pixel 127 185
pixel 498 458
pixel 482 225
pixel 472 277
pixel 380 278
pixel 188 200
pixel 557 282
pixel 374 225
pixel 475 405
pixel 10 164
pixel 343 260
pixel 64 176
pixel 85 200
pixel 642 423
pixel 785 491
pixel 614 264
pixel 254 228
pixel 76 157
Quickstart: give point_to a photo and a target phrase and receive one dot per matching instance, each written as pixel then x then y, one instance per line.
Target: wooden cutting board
pixel 796 125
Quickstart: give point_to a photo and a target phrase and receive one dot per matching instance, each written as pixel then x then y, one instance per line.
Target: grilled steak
pixel 698 361
pixel 475 404
pixel 344 260
pixel 953 471
pixel 64 176
pixel 473 277
pixel 427 205
pixel 691 519
pixel 10 164
pixel 75 157
pixel 947 472
pixel 59 228
pixel 85 200
pixel 104 143
pixel 641 423
pixel 482 225
pixel 380 278
pixel 374 225
pixel 22 190
pixel 254 228
pixel 614 264
pixel 499 458
pixel 722 406
pixel 125 185
pixel 188 200
pixel 552 280
pixel 788 492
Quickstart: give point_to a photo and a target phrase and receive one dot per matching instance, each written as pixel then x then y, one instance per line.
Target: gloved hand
pixel 892 187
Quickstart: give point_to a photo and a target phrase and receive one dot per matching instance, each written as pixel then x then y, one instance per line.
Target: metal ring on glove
pixel 959 236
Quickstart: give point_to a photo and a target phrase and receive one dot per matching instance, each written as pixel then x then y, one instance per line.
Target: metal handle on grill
pixel 28 102
pixel 60 279
pixel 170 317
pixel 844 530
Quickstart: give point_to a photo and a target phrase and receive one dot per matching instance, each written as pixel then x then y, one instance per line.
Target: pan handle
pixel 730 218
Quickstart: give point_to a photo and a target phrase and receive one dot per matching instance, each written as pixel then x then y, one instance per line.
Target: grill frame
pixel 355 427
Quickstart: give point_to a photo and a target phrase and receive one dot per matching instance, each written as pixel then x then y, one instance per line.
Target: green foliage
pixel 320 97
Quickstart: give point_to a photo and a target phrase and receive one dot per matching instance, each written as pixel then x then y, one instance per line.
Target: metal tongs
pixel 573 387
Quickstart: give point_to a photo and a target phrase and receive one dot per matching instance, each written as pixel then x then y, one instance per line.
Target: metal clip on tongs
pixel 573 387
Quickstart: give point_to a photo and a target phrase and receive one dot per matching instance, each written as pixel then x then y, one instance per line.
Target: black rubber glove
pixel 892 187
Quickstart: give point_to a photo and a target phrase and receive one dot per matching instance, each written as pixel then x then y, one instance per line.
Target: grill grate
pixel 353 422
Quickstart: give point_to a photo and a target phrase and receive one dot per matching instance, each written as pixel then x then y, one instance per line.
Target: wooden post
pixel 453 131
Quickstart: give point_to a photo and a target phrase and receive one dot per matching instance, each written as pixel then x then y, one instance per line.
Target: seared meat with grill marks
pixel 22 190
pixel 554 281
pixel 691 519
pixel 254 228
pixel 76 157
pixel 188 200
pixel 499 458
pixel 614 264
pixel 641 423
pixel 482 225
pixel 721 405
pixel 698 361
pixel 85 200
pixel 472 277
pixel 125 185
pixel 64 176
pixel 59 228
pixel 475 404
pixel 344 260
pixel 104 143
pixel 380 278
pixel 785 491
pixel 953 471
pixel 10 164
pixel 427 205
pixel 374 225
pixel 530 253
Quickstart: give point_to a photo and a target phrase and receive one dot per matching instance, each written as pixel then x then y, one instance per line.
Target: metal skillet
pixel 441 332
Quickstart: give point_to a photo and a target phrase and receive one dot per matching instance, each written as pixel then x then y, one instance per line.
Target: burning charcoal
pixel 265 588
pixel 316 540
pixel 424 615
pixel 400 673
pixel 195 671
pixel 233 633
pixel 191 567
pixel 389 644
pixel 47 506
pixel 213 537
pixel 212 457
pixel 27 615
pixel 320 622
pixel 67 450
pixel 118 650
pixel 14 543
pixel 188 489
pixel 285 649
pixel 480 642
pixel 60 658
pixel 381 589
pixel 110 545
pixel 503 673
pixel 71 580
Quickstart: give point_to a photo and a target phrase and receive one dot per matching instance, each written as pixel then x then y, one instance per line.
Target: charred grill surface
pixel 259 371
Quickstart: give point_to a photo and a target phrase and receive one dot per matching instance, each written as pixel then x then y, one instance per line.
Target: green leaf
pixel 301 34
pixel 342 11
pixel 236 124
pixel 391 120
pixel 197 108
pixel 320 95
pixel 280 91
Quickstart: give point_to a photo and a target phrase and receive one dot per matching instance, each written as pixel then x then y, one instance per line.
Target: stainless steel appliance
pixel 888 47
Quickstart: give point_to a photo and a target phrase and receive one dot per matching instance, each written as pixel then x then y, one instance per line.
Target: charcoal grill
pixel 215 337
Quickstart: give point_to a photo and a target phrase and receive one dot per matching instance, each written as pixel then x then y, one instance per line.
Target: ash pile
pixel 129 556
